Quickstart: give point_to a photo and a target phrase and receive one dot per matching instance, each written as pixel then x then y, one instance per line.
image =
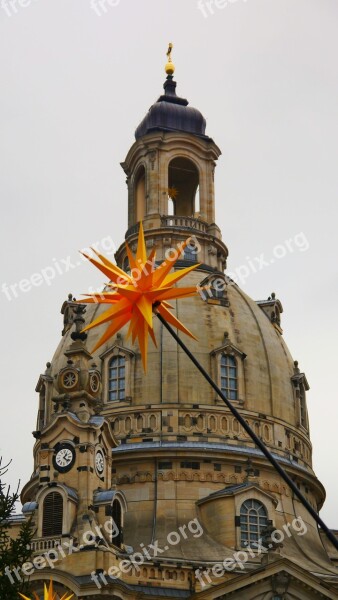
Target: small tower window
pixel 140 194
pixel 229 382
pixel 217 288
pixel 117 378
pixel 52 515
pixel 183 181
pixel 117 522
pixel 253 519
pixel 190 253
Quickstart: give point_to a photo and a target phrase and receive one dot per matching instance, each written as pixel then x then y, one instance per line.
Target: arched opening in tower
pixel 140 193
pixel 171 206
pixel 52 518
pixel 183 184
pixel 117 519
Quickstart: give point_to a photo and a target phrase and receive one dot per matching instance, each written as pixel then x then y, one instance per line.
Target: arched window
pixel 253 519
pixel 229 383
pixel 183 181
pixel 117 380
pixel 52 515
pixel 117 518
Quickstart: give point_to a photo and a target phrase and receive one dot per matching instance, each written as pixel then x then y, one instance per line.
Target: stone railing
pixel 174 221
pixel 43 544
pixel 183 222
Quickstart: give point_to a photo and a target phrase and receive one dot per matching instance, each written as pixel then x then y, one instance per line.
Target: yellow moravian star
pixel 49 594
pixel 132 296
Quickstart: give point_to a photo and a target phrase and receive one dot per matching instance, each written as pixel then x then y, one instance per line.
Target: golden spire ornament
pixel 170 67
pixel 131 298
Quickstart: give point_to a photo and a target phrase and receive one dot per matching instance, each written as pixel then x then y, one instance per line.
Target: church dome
pixel 233 325
pixel 171 113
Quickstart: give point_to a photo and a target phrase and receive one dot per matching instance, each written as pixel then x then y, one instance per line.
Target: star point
pixel 49 594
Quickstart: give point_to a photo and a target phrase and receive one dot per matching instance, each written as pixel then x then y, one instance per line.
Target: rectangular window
pixel 229 382
pixel 165 465
pixel 190 465
pixel 117 381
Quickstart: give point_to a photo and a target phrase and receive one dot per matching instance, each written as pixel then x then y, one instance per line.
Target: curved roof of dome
pixel 172 113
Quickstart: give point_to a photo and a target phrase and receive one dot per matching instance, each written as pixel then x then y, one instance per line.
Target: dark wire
pixel 252 434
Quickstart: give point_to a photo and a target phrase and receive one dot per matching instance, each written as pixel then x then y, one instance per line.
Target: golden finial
pixel 170 67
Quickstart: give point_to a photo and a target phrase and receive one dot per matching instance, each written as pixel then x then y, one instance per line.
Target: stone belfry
pixel 149 477
pixel 170 176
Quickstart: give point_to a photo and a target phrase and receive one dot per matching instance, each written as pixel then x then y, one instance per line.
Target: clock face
pixel 99 462
pixel 64 458
pixel 94 383
pixel 69 379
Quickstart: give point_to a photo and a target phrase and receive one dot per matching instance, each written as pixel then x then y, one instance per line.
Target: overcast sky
pixel 76 79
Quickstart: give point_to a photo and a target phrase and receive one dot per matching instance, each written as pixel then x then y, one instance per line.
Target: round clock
pixel 69 379
pixel 94 383
pixel 64 458
pixel 99 462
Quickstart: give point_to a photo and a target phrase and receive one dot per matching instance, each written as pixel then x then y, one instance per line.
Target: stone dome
pixel 171 113
pixel 266 392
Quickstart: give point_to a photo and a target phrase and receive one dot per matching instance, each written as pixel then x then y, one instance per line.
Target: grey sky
pixel 74 85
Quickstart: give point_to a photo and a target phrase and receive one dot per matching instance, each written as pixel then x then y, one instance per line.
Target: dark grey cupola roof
pixel 172 113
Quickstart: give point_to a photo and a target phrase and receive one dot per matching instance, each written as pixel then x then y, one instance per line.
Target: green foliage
pixel 13 552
